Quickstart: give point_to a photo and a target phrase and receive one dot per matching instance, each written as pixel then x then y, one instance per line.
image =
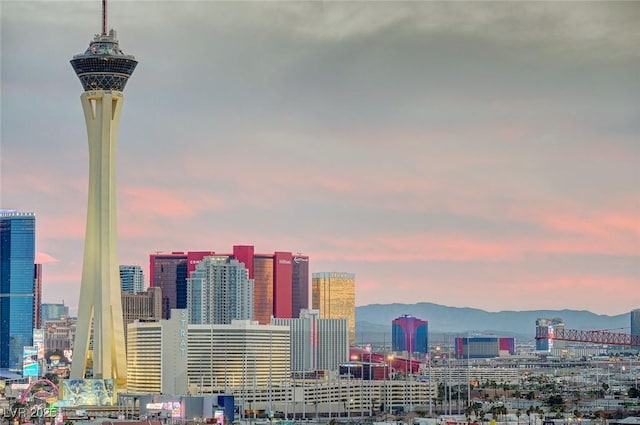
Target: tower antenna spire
pixel 104 17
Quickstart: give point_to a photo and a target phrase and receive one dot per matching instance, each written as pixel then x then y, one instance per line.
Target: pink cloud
pixel 44 258
pixel 467 247
pixel 61 227
pixel 156 201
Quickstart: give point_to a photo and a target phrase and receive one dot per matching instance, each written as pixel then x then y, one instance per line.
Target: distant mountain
pixel 373 322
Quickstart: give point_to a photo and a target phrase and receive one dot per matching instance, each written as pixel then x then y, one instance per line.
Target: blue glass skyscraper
pixel 17 259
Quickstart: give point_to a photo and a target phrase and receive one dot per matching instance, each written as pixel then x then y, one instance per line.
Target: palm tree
pixel 539 412
pixel 494 385
pixel 467 412
pixel 482 417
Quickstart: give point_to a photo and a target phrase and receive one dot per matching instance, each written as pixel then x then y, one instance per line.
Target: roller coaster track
pixel 596 337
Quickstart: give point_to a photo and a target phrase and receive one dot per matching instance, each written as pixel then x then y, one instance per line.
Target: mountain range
pixel 373 322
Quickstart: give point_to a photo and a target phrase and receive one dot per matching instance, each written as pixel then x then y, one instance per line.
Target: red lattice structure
pixel 596 337
pixel 26 393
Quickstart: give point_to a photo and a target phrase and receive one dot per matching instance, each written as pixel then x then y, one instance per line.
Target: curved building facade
pixel 409 334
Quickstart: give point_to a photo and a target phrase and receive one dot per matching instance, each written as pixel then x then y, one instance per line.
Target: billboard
pixel 171 409
pixel 87 392
pixel 38 342
pixel 30 361
pixel 218 417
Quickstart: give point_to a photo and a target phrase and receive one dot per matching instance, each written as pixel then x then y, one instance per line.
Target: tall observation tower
pixel 103 70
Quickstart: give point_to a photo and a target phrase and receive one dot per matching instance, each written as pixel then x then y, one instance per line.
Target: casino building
pixel 169 356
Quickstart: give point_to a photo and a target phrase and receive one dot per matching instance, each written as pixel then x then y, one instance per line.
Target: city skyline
pixel 466 154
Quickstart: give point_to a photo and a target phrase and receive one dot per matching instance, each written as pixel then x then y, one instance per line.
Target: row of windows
pixel 104 64
pixel 103 82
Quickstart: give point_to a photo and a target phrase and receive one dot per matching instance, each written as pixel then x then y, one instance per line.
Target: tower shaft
pixel 100 299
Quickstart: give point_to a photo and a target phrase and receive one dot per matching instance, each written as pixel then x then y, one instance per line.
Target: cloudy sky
pixel 471 154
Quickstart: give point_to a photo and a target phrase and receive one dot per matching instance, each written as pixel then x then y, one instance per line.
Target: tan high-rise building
pixel 145 305
pixel 334 294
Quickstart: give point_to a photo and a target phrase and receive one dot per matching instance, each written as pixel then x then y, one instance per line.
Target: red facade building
pixel 281 279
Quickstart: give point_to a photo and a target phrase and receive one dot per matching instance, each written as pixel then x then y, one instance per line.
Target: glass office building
pixel 334 294
pixel 169 272
pixel 17 262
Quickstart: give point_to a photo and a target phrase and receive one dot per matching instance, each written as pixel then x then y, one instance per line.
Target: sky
pixel 469 154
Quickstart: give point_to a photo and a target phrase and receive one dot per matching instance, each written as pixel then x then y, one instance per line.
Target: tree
pixel 467 413
pixel 494 385
pixel 555 403
pixel 52 377
pixel 578 415
pixel 482 417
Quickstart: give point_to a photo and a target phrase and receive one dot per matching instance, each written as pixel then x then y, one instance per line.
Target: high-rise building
pixel 165 354
pixel 316 344
pixel 282 284
pixel 409 334
pixel 243 353
pixel 103 70
pixel 37 296
pixel 334 294
pixel 170 272
pixel 635 321
pixel 219 291
pixel 277 280
pixel 157 355
pixel 558 325
pixel 131 279
pixel 59 334
pixel 546 324
pixel 52 311
pixel 299 284
pixel 281 279
pixel 263 288
pixel 17 262
pixel 143 305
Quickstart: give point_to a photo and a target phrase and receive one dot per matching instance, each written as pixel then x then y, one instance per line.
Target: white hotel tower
pixel 103 70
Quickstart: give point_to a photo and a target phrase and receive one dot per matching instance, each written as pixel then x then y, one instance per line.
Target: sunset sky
pixel 471 154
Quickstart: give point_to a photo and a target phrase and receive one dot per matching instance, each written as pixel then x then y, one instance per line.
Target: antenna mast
pixel 104 17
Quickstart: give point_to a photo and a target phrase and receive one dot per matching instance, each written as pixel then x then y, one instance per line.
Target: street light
pixel 388 391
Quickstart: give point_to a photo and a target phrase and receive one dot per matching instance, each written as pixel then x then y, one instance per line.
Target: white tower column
pixel 100 298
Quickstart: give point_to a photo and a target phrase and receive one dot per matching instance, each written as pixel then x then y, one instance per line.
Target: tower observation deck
pixel 103 66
